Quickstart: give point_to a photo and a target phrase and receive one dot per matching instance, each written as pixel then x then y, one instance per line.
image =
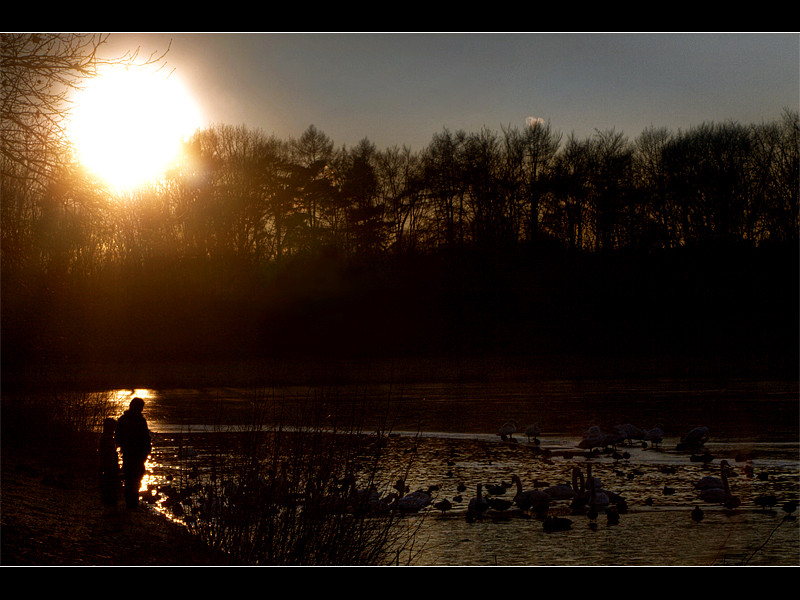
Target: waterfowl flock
pixel 591 483
pixel 583 494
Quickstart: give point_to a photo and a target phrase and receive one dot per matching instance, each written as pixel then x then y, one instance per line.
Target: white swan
pixel 603 496
pixel 721 495
pixel 694 440
pixel 597 497
pixel 710 482
pixel 414 501
pixel 592 481
pixel 535 499
pixel 629 432
pixel 507 430
pixel 592 438
pixel 655 436
pixel 477 505
pixel 563 491
pixel 532 431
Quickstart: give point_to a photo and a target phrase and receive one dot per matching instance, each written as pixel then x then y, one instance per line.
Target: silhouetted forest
pixel 520 242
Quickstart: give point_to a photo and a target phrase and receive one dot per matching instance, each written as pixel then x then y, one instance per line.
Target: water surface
pixel 449 431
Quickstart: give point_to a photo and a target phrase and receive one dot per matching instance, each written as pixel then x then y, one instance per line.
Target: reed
pixel 55 426
pixel 303 484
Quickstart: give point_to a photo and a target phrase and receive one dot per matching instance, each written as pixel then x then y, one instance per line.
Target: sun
pixel 128 124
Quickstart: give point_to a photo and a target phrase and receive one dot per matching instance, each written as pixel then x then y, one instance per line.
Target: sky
pixel 401 89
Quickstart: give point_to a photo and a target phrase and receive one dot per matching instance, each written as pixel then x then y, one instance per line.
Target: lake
pixel 451 429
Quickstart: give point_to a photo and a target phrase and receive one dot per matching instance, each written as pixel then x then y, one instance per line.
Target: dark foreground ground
pixel 52 515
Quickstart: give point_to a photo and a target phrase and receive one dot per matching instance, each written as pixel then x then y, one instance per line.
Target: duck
pixel 704 457
pixel 497 490
pixel 697 514
pixel 766 501
pixel 499 504
pixel 592 513
pixel 400 486
pixel 551 524
pixel 443 505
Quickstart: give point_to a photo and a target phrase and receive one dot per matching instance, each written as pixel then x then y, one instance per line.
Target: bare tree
pixel 39 73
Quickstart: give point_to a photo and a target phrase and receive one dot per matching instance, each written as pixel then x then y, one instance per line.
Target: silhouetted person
pixel 133 439
pixel 108 473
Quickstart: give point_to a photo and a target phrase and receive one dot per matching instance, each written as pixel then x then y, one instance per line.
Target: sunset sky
pixel 402 88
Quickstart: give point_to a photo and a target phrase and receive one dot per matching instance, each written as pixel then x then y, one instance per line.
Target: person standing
pixel 132 437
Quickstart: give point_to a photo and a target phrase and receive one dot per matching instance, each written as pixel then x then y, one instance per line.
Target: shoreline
pixel 52 516
pixel 266 372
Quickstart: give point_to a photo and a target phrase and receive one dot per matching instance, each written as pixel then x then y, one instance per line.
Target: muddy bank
pixel 52 515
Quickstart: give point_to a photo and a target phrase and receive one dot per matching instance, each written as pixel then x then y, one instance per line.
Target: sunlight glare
pixel 128 125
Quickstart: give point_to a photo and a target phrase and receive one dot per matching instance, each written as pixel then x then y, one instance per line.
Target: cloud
pixel 533 121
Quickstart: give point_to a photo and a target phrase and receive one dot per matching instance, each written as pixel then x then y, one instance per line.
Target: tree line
pixel 241 195
pixel 486 240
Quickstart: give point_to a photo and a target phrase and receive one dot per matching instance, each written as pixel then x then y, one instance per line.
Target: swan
pixel 705 457
pixel 601 493
pixel 693 440
pixel 592 438
pixel 721 495
pixel 592 481
pixel 597 497
pixel 655 436
pixel 414 501
pixel 581 498
pixel 364 500
pixel 709 482
pixel 533 431
pixel 497 490
pixel 477 505
pixel 507 431
pixel 529 499
pixel 560 492
pixel 629 432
